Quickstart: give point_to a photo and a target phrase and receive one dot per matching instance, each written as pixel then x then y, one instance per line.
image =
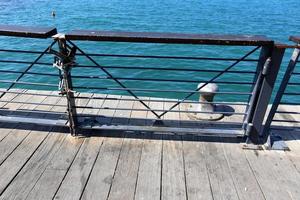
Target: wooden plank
pixel 173 173
pixel 122 117
pixel 54 173
pixel 197 179
pixel 106 115
pixel 94 103
pixel 21 132
pixel 173 168
pixel 75 181
pixel 12 141
pixel 154 105
pixel 173 118
pixel 222 185
pixel 50 100
pixel 243 177
pixel 265 175
pixel 9 97
pixel 101 178
pixel 139 117
pixel 27 31
pixel 5 129
pixel 25 179
pixel 285 172
pixel 125 178
pixel 174 38
pixel 149 174
pixel 292 139
pixel 57 168
pixel 25 164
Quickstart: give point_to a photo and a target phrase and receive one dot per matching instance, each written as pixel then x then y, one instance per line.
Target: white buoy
pixel 206 108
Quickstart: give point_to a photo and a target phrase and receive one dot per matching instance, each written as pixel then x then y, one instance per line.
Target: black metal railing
pixel 79 68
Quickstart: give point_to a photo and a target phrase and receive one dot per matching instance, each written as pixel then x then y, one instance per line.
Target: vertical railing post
pixel 268 77
pixel 265 53
pixel 64 60
pixel 288 73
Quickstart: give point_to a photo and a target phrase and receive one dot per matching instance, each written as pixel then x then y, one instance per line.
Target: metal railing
pixel 242 101
pixel 284 111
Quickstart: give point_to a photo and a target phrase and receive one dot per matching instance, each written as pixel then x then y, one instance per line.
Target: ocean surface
pixel 275 18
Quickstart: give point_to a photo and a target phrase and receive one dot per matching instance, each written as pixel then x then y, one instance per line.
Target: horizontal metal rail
pixel 156 90
pixel 26 111
pixel 127 78
pixel 291 93
pixel 167 69
pixel 137 56
pixel 159 110
pixel 288 121
pixel 288 112
pixel 160 100
pixel 28 83
pixel 31 103
pixel 29 93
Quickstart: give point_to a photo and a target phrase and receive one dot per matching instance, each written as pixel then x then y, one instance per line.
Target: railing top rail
pixel 174 38
pixel 27 31
pixel 295 39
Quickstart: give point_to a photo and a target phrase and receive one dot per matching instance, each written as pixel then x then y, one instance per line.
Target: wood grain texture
pixel 74 183
pixel 125 178
pixel 103 172
pixel 221 181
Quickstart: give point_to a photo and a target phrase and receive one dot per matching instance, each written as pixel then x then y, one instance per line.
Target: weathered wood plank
pixel 124 180
pixel 173 173
pixel 11 142
pixel 149 175
pixel 94 103
pixel 25 164
pixel 265 175
pixel 101 178
pixel 9 96
pixel 58 166
pixel 139 117
pixel 292 139
pixel 285 172
pixel 243 177
pixel 14 163
pixel 222 185
pixel 75 181
pixel 197 179
pixel 54 173
pixel 107 114
pixel 30 173
pixel 6 129
pixel 173 167
pixel 123 116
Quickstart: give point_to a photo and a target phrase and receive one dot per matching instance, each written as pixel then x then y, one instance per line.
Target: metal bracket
pixel 275 142
pixel 249 129
pixel 266 67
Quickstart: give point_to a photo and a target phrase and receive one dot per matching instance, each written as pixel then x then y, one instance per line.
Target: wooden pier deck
pixel 45 163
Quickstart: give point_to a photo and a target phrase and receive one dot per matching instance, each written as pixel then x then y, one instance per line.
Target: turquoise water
pixel 275 18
